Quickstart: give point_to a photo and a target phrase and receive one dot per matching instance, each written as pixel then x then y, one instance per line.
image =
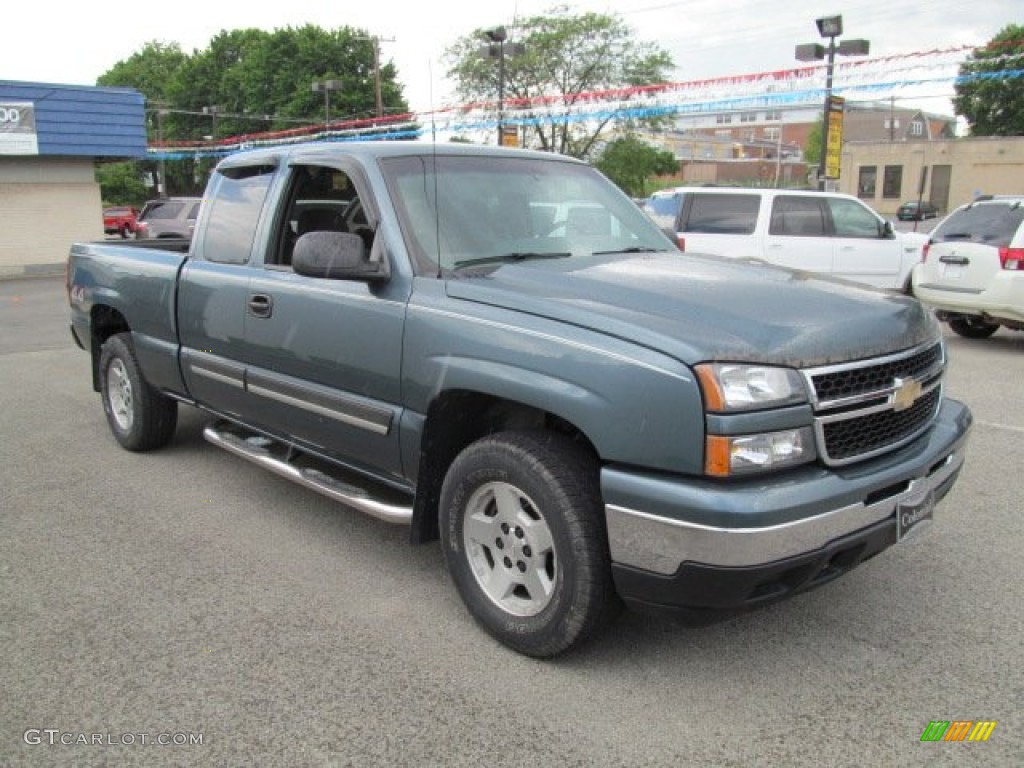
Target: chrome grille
pixel 866 408
pixel 858 380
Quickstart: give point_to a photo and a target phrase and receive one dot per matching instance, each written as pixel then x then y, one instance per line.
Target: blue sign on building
pixel 42 119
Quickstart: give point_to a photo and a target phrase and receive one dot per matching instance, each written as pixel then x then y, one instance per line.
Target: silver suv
pixel 170 217
pixel 973 267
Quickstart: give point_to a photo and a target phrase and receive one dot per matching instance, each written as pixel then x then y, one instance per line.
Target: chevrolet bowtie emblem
pixel 906 393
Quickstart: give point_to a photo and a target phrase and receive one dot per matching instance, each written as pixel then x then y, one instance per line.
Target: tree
pixel 249 81
pixel 812 147
pixel 629 162
pixel 565 59
pixel 988 96
pixel 148 71
pixel 121 184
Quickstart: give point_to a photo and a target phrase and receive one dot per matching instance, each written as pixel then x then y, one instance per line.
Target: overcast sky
pixel 706 38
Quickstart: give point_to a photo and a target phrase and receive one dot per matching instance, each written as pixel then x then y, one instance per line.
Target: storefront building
pixel 51 137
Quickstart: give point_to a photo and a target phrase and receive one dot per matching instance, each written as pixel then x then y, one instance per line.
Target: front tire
pixel 523 536
pixel 971 327
pixel 140 417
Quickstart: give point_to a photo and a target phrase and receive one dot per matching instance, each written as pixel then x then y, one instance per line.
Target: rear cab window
pixel 236 203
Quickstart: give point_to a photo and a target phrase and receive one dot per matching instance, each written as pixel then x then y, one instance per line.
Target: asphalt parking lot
pixel 186 594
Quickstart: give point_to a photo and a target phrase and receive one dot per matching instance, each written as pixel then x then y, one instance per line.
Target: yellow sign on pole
pixel 509 136
pixel 834 146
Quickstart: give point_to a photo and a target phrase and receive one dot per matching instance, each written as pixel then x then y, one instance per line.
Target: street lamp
pixel 830 27
pixel 497 50
pixel 325 87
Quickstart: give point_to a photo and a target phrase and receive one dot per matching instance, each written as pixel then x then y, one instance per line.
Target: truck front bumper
pixel 707 550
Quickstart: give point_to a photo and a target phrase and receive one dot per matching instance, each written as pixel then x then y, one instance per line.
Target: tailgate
pixel 962 265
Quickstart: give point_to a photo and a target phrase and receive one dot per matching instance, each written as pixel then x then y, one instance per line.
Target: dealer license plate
pixel 915 516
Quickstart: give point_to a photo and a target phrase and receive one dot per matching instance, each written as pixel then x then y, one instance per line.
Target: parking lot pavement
pixel 190 594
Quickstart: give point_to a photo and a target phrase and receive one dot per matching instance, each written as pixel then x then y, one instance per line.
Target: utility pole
pixel 378 96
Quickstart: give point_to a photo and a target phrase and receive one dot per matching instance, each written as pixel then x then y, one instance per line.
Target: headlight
pixel 728 455
pixel 734 387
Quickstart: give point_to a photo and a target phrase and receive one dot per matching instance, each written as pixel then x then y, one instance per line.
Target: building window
pixel 892 184
pixel 867 181
pixel 723 119
pixel 773 114
pixel 773 133
pixel 916 128
pixel 748 117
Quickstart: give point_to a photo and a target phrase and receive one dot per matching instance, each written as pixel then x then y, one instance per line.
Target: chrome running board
pixel 291 464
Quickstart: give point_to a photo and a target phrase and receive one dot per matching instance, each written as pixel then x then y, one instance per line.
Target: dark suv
pixel 171 217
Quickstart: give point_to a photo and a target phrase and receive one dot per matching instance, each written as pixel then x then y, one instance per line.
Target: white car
pixel 973 269
pixel 823 232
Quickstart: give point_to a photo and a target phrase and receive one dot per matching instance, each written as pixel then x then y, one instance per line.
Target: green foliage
pixel 812 149
pixel 629 162
pixel 121 184
pixel 993 104
pixel 148 71
pixel 565 58
pixel 258 81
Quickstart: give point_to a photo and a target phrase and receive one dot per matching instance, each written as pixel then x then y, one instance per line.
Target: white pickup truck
pixel 822 232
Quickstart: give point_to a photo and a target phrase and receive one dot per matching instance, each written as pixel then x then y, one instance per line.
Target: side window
pixel 721 214
pixel 799 216
pixel 319 199
pixel 851 219
pixel 236 202
pixel 663 209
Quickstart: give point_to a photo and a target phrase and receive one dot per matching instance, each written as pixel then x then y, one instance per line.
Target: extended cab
pixel 824 232
pixel 499 349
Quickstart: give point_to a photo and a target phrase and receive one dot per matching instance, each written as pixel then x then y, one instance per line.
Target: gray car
pixel 167 218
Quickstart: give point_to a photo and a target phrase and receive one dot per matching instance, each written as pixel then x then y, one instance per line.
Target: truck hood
pixel 702 308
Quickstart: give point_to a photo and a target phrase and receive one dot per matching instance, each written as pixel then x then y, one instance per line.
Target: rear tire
pixel 140 417
pixel 972 327
pixel 523 536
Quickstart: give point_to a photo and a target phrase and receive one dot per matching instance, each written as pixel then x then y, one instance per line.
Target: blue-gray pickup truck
pixel 500 350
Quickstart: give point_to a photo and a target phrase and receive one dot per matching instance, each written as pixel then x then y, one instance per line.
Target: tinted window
pixel 722 214
pixel 990 223
pixel 163 210
pixel 235 210
pixel 851 219
pixel 802 216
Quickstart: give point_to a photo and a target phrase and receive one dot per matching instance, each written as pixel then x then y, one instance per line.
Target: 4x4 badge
pixel 906 393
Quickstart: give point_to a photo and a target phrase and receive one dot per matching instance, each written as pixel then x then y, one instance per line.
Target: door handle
pixel 261 305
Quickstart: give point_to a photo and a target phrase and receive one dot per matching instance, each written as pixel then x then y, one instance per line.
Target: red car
pixel 120 220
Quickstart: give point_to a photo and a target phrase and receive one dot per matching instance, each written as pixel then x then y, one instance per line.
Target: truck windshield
pixel 486 210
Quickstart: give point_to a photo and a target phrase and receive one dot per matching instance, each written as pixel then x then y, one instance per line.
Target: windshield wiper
pixel 515 256
pixel 632 249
